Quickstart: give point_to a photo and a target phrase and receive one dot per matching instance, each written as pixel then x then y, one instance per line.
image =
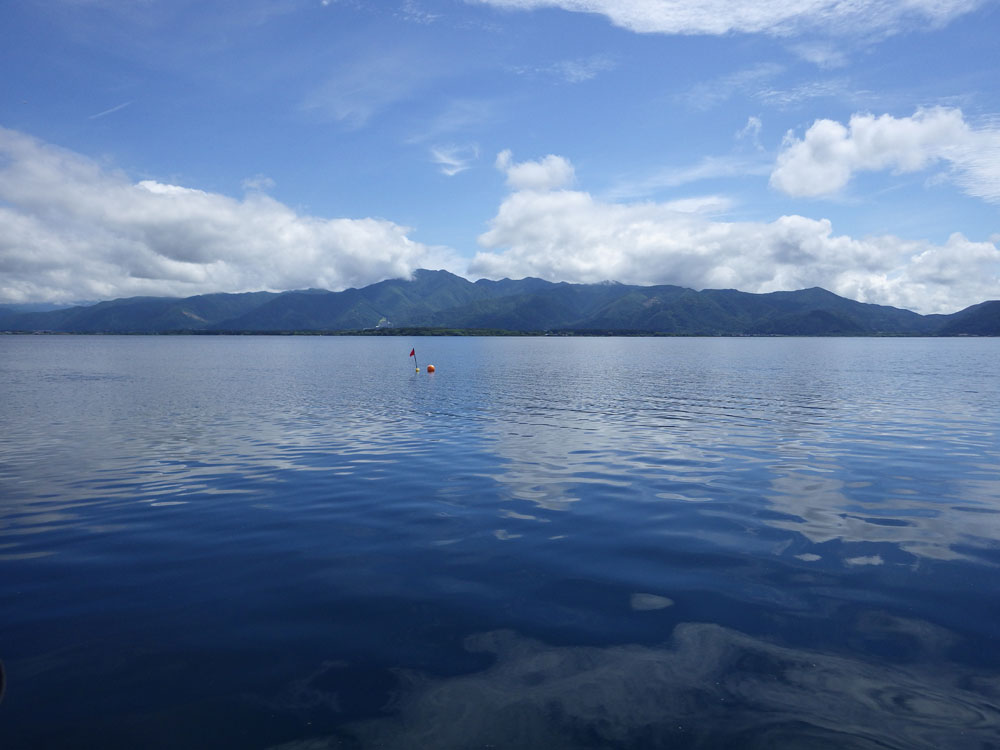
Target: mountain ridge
pixel 440 299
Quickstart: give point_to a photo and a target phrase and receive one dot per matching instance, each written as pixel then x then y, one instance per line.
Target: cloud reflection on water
pixel 827 452
pixel 710 687
pixel 826 508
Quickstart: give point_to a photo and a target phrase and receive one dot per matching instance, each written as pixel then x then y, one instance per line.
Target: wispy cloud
pixel 715 91
pixel 259 182
pixel 355 92
pixel 833 88
pixel 709 168
pixel 576 70
pixel 460 115
pixel 759 83
pixel 777 17
pixel 453 159
pixel 414 12
pixel 751 132
pixel 107 112
pixel 823 54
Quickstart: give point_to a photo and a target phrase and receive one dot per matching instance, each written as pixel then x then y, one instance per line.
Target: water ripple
pixel 814 522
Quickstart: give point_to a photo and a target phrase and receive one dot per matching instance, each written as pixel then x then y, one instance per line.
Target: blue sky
pixel 177 148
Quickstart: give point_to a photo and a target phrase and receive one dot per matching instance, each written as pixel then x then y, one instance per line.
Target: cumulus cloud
pixel 827 156
pixel 568 235
pixel 547 174
pixel 71 229
pixel 778 17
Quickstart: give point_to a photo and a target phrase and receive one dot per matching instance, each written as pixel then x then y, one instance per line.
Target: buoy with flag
pixel 413 353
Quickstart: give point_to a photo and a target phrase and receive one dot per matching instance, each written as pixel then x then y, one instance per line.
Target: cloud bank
pixel 778 17
pixel 827 156
pixel 542 229
pixel 71 230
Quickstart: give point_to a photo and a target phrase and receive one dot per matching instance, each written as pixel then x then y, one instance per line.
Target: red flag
pixel 413 352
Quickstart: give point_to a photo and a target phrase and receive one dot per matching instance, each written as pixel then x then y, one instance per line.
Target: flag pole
pixel 413 353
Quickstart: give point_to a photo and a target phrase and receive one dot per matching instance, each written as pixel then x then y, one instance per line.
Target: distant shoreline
pixel 483 332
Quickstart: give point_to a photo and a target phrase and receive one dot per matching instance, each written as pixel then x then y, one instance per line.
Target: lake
pixel 300 543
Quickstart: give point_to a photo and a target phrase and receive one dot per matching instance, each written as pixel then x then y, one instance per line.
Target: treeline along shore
pixel 438 303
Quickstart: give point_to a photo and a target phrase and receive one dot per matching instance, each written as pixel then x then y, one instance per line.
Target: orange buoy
pixel 430 368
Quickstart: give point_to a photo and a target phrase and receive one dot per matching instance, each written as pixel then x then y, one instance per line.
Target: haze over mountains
pixel 439 299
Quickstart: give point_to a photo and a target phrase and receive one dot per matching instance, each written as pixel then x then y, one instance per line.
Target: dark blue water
pixel 267 542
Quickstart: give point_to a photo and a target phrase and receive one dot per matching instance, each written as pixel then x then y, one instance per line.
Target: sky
pixel 181 147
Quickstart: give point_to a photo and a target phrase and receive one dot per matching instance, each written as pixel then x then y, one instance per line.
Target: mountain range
pixel 441 300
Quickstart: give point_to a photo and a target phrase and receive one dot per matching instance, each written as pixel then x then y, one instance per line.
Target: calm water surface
pixel 300 543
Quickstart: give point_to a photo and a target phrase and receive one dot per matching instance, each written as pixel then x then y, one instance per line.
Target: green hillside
pixel 442 300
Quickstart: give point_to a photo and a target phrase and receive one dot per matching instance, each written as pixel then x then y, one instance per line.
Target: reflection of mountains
pixel 713 687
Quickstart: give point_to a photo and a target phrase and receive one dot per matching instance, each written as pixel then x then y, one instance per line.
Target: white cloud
pixel 568 235
pixel 107 112
pixel 415 13
pixel 548 174
pixel 752 131
pixel 700 204
pixel 832 88
pixel 583 69
pixel 825 159
pixel 70 229
pixel 776 17
pixel 453 159
pixel 821 53
pixel 259 182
